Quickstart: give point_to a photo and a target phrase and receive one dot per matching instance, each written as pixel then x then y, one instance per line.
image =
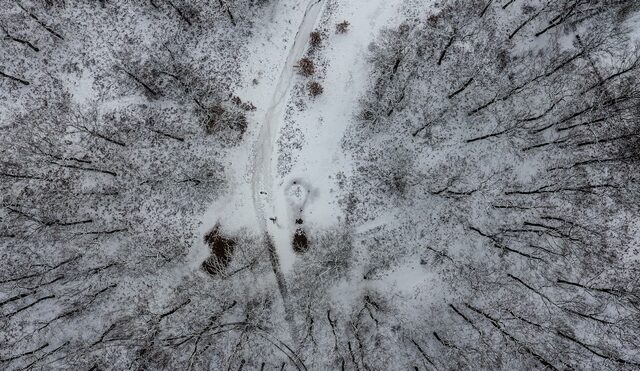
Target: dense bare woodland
pixel 412 185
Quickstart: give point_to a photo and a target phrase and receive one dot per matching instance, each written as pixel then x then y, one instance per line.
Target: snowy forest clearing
pixel 312 156
pixel 264 163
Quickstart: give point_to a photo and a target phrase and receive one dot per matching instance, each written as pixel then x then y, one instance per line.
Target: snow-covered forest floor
pixel 320 184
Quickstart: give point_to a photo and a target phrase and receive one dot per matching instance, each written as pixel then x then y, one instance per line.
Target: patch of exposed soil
pixel 300 241
pixel 221 249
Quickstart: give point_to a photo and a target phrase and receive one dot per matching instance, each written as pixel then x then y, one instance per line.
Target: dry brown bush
pixel 307 67
pixel 315 39
pixel 315 88
pixel 342 27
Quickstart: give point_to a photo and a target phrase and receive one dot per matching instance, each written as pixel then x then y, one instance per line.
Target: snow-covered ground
pixel 318 158
pixel 269 49
pixel 308 189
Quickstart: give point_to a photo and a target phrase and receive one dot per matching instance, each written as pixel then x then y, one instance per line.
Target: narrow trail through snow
pixel 278 236
pixel 264 163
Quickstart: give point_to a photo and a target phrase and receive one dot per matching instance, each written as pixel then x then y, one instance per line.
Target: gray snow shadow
pixel 299 194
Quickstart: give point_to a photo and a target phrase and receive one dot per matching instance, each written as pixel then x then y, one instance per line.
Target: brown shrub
pixel 246 106
pixel 221 118
pixel 307 67
pixel 315 39
pixel 300 241
pixel 221 249
pixel 214 120
pixel 342 27
pixel 315 88
pixel 366 115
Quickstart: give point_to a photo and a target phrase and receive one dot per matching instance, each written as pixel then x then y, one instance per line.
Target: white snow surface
pixel 309 190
